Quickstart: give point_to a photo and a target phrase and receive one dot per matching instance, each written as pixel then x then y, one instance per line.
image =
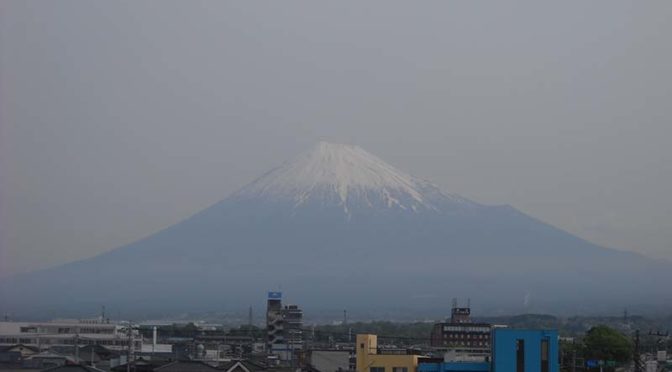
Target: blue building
pixel 513 350
pixel 525 350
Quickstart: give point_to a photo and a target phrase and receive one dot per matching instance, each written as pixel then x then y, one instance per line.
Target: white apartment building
pixel 69 333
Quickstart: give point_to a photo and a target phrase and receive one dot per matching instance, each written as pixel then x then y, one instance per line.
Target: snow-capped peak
pixel 345 170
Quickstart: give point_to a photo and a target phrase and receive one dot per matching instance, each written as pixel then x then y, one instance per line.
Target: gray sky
pixel 120 118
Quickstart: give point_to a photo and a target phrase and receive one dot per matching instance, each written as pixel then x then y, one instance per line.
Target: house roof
pixel 186 366
pixel 241 366
pixel 52 355
pixel 10 347
pixel 74 368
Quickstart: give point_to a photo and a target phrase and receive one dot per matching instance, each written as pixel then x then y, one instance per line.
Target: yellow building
pixel 370 359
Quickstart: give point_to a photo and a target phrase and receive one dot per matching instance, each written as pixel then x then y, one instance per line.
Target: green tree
pixel 606 343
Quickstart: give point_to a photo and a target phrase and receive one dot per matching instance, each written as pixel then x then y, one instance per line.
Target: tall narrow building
pixel 284 333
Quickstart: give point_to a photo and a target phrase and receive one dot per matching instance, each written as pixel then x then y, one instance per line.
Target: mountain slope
pixel 339 227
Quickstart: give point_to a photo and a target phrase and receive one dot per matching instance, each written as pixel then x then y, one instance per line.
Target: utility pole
pixel 129 329
pixel 154 339
pixel 636 357
pixel 77 347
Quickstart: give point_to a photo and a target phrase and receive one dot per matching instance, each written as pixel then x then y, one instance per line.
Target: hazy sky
pixel 120 118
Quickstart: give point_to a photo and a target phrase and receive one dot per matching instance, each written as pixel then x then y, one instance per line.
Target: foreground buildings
pixel 513 350
pixel 457 345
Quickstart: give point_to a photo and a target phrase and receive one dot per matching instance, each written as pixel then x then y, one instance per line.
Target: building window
pixel 399 369
pixel 377 369
pixel 544 356
pixel 520 356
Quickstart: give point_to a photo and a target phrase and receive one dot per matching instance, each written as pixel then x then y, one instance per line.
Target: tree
pixel 606 343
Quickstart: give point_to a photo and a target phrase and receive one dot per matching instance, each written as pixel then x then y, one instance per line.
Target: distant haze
pixel 338 226
pixel 118 119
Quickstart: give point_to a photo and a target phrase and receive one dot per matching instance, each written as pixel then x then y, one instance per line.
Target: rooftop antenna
pixel 77 346
pixel 345 317
pixel 469 302
pixel 102 314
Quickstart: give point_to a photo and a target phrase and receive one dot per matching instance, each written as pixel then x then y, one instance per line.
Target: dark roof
pixel 186 366
pixel 62 349
pixel 48 354
pixel 139 365
pixel 10 347
pixel 243 365
pixel 74 368
pixel 98 349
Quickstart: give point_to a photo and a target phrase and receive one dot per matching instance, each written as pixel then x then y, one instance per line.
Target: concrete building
pixel 44 335
pixel 284 333
pixel 372 359
pixel 461 334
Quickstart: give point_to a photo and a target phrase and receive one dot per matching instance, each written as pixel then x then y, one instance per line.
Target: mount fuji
pixel 340 228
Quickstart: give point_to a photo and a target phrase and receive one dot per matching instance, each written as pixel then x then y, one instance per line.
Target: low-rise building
pixel 372 359
pixel 44 335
